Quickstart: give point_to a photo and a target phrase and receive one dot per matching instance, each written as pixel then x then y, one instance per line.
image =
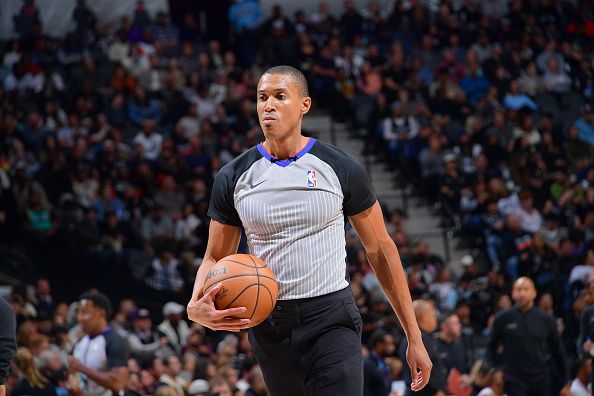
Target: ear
pixel 305 105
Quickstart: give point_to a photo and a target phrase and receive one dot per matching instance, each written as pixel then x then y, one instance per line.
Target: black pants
pixel 537 385
pixel 311 347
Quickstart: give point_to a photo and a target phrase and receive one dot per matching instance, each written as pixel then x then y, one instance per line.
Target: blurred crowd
pixel 112 135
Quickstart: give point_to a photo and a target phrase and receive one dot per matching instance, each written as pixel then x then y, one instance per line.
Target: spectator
pixel 376 371
pixel 173 326
pixel 164 274
pixel 450 347
pixel 144 342
pixel 580 374
pixel 31 381
pixel 149 141
pixel 585 125
pixel 427 320
pixel 27 19
pixel 171 374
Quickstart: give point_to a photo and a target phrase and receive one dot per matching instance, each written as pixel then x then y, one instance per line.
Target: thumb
pixel 414 373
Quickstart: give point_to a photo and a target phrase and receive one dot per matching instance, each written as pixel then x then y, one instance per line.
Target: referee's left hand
pixel 420 365
pixel 202 310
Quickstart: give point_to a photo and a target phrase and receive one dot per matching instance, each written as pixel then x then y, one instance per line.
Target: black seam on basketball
pixel 258 283
pixel 241 275
pixel 240 293
pixel 244 264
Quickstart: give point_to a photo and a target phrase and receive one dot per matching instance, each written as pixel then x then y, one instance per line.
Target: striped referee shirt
pixel 293 212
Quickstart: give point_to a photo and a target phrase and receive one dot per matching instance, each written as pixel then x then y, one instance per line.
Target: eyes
pixel 278 96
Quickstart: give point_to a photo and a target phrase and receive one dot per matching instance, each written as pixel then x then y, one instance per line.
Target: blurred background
pixel 473 119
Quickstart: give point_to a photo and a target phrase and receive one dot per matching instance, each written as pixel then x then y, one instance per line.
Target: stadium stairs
pixel 421 220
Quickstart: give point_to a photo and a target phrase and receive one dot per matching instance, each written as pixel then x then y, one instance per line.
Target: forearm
pixel 107 379
pixel 388 269
pixel 205 266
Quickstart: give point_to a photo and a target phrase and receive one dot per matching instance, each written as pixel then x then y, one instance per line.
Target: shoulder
pixel 506 315
pixel 113 339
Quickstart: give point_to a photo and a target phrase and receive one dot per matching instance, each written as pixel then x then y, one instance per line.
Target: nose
pixel 269 106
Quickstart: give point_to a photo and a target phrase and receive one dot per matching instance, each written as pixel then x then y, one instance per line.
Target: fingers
pixel 422 378
pixel 228 312
pixel 212 292
pixel 231 324
pixel 414 374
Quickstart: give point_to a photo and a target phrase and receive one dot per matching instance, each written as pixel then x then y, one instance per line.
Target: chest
pixel 525 328
pixel 92 352
pixel 278 199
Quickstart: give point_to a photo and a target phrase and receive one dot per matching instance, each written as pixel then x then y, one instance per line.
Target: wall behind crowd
pixel 56 25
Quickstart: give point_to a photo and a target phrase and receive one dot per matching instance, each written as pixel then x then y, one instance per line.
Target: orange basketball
pixel 247 282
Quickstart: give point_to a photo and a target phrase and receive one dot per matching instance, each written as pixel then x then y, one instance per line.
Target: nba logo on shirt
pixel 312 179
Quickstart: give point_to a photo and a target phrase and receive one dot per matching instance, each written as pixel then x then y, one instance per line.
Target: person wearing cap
pixel 144 342
pixel 198 387
pixel 176 329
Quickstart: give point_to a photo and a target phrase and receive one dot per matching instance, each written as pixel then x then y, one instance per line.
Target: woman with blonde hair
pixel 30 380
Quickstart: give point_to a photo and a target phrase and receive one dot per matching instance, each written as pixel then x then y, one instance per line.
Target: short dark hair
pixel 99 300
pixel 376 337
pixel 296 75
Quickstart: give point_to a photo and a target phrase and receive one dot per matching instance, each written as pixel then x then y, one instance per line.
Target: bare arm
pixel 114 379
pixel 384 259
pixel 223 240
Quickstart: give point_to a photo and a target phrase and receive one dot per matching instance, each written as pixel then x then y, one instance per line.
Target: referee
pixel 291 194
pixel 529 337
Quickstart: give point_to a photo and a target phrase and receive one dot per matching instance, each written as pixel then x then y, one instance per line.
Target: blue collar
pixel 284 163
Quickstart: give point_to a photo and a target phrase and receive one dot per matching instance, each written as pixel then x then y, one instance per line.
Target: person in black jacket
pixel 529 336
pixel 427 320
pixel 7 341
pixel 377 381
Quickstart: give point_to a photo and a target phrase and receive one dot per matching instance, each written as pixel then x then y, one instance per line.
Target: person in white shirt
pixel 530 218
pixel 581 371
pixel 176 329
pixel 149 140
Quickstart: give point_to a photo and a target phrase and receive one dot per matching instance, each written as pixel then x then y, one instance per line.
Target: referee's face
pixel 280 106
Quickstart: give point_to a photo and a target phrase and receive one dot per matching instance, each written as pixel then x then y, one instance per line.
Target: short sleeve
pixel 221 207
pixel 116 350
pixel 358 195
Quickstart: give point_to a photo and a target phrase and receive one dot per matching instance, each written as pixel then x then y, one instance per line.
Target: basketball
pixel 247 282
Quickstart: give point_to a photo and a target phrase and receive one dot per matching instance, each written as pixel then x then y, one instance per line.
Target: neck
pixel 98 330
pixel 286 147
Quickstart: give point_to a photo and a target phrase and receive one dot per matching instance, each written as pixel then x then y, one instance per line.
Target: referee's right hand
pixel 203 311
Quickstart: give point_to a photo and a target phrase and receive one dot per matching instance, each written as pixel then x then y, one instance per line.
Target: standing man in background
pixel 529 336
pixel 7 341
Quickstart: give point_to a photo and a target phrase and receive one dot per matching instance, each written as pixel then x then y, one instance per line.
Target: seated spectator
pixel 555 78
pixel 170 198
pixel 145 343
pixel 530 82
pixel 529 217
pixel 149 140
pixel 172 369
pixel 142 107
pixel 30 380
pixel 585 125
pixel 173 326
pixel 156 226
pixel 516 100
pixel 164 273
